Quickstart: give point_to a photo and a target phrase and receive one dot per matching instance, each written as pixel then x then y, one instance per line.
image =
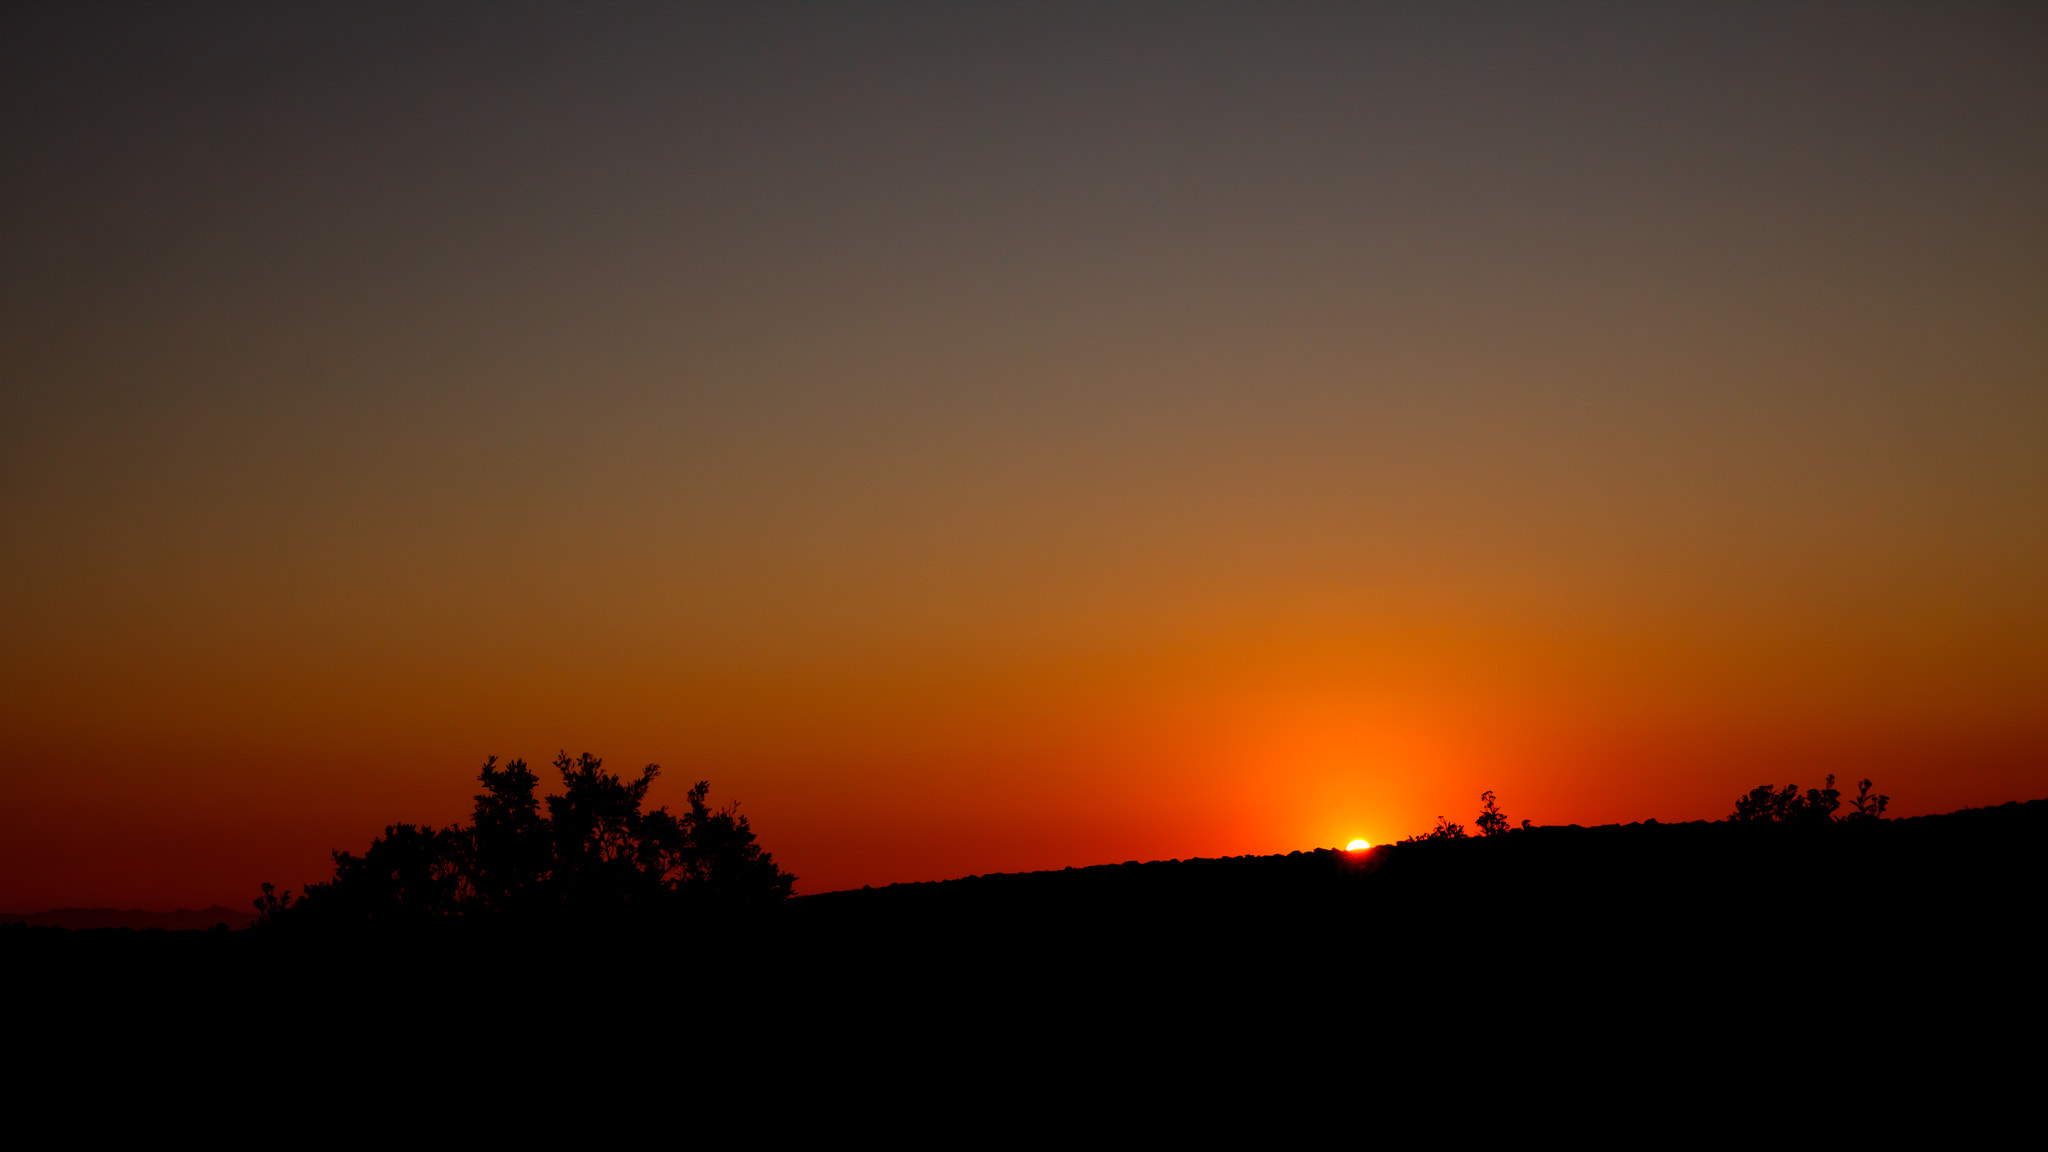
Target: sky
pixel 996 437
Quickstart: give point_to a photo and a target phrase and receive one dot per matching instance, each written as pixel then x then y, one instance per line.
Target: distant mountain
pixel 184 919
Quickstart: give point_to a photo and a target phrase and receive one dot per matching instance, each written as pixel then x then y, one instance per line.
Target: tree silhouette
pixel 510 847
pixel 1492 821
pixel 411 875
pixel 595 852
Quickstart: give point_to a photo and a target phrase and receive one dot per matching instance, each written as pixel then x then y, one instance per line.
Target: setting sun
pixel 1357 846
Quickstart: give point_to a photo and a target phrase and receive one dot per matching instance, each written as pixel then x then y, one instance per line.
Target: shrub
pixel 595 851
pixel 1767 805
pixel 1492 821
pixel 1866 806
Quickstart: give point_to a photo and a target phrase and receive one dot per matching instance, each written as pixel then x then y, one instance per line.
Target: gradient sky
pixel 990 437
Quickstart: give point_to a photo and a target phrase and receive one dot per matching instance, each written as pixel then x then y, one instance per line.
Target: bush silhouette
pixel 1444 830
pixel 595 853
pixel 1766 805
pixel 1866 806
pixel 1492 821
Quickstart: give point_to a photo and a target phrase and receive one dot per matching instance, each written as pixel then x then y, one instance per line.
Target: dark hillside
pixel 1950 867
pixel 1824 939
pixel 1698 911
pixel 182 919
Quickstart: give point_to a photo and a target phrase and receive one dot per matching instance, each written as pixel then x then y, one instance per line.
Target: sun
pixel 1357 846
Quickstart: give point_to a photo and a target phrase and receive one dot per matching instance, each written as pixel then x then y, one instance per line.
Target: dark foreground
pixel 1806 950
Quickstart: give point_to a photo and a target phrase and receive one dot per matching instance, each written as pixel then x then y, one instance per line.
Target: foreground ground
pixel 1840 953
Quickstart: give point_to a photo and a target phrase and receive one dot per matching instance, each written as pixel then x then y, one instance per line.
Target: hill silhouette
pixel 1780 948
pixel 1786 866
pixel 1966 876
pixel 177 920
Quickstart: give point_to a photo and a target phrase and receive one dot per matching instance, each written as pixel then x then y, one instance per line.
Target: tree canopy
pixel 593 853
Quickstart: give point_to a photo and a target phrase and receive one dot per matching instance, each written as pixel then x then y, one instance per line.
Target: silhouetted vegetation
pixel 1491 822
pixel 594 855
pixel 1605 931
pixel 1444 830
pixel 1767 805
pixel 1865 805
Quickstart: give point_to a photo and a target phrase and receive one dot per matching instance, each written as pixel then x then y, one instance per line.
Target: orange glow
pixel 976 443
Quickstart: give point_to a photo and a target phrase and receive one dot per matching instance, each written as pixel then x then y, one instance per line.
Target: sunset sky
pixel 995 437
